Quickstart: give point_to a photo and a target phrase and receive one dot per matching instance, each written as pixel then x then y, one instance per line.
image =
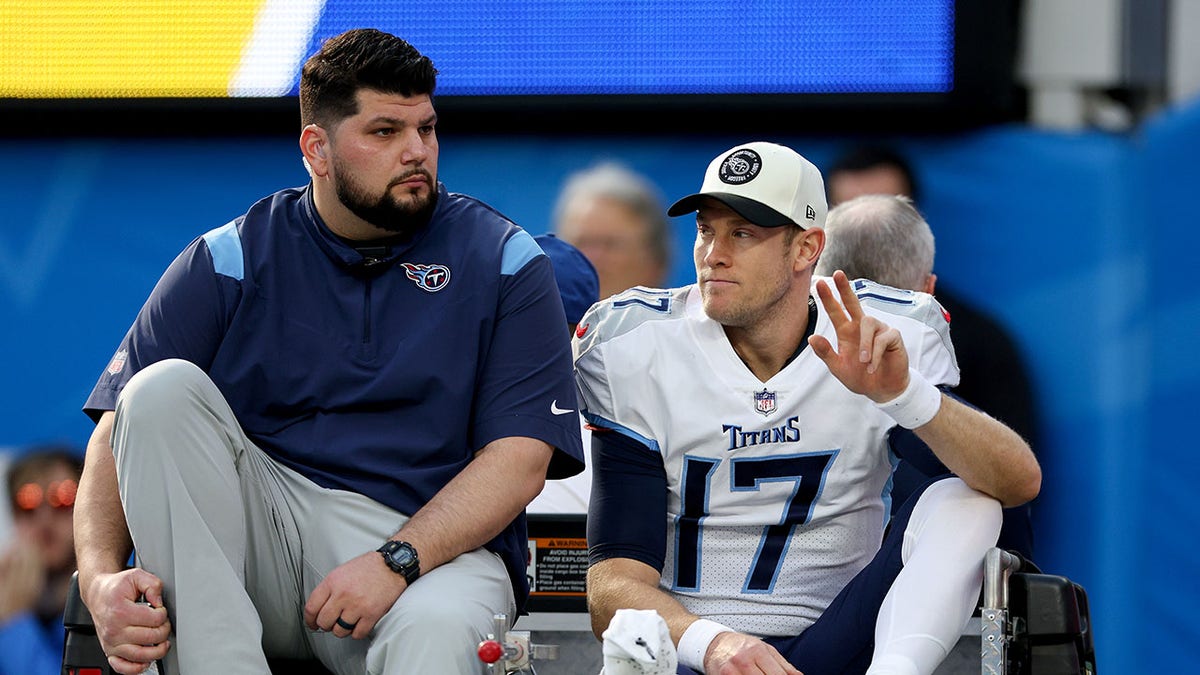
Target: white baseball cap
pixel 768 184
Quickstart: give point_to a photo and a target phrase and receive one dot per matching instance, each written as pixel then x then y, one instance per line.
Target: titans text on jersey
pixel 740 438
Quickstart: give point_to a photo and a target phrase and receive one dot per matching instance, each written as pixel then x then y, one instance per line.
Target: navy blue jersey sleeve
pixel 183 318
pixel 627 513
pixel 913 452
pixel 526 384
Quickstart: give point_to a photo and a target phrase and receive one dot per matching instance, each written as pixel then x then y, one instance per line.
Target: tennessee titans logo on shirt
pixel 764 401
pixel 432 278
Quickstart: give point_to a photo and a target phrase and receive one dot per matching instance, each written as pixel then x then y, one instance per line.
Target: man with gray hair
pixel 615 217
pixel 883 238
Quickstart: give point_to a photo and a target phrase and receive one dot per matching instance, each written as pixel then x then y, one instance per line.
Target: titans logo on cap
pixel 741 166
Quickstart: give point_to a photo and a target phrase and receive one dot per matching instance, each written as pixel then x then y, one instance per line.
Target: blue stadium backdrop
pixel 1080 242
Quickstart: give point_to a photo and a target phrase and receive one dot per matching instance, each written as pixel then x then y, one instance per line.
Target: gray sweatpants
pixel 240 541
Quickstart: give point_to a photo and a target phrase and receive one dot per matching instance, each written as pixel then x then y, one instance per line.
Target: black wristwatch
pixel 401 557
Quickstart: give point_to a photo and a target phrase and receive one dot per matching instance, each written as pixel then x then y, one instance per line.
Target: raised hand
pixel 870 358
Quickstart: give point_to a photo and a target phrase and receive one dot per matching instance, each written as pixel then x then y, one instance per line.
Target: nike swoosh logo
pixel 555 410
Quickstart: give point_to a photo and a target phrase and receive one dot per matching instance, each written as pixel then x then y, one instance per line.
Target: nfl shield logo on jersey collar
pixel 764 401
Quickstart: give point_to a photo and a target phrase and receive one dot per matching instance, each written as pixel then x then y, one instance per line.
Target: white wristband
pixel 916 405
pixel 694 642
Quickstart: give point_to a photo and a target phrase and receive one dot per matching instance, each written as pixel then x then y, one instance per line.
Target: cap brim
pixel 755 212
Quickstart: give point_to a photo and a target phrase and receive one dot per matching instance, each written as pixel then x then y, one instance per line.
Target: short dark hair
pixel 869 156
pixel 361 58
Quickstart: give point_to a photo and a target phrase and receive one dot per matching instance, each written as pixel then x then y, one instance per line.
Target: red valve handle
pixel 490 651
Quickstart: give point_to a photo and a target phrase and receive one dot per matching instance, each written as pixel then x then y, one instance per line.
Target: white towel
pixel 638 642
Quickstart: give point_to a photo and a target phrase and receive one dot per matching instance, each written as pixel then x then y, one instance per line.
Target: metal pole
pixel 997 566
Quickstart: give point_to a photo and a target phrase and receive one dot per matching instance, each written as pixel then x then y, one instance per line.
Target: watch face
pixel 402 556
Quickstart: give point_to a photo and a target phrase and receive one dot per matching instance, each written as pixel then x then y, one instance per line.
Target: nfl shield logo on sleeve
pixel 764 401
pixel 118 362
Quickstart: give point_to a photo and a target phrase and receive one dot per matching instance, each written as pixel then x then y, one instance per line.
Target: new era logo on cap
pixel 767 184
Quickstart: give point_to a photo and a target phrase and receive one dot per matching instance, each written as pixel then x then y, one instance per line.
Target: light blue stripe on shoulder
pixel 518 251
pixel 623 430
pixel 225 245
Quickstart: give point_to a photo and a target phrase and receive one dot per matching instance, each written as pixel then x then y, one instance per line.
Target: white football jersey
pixel 776 489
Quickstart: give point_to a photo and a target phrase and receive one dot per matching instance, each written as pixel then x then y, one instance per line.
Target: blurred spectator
pixel 36 566
pixel 579 287
pixel 616 218
pixel 882 238
pixel 870 170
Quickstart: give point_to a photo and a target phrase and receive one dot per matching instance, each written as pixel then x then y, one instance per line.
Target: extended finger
pixel 822 347
pixel 837 315
pixel 849 299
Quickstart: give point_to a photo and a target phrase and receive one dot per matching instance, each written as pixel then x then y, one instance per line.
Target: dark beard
pixel 385 212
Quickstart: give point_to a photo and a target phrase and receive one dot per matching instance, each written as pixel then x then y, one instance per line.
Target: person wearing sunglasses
pixel 36 566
